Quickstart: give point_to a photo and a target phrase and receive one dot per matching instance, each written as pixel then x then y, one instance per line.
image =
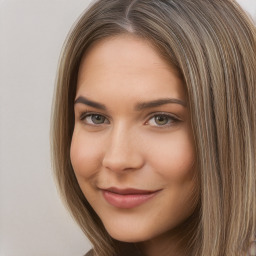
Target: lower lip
pixel 127 201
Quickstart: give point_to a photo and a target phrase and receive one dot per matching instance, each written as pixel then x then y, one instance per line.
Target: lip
pixel 127 198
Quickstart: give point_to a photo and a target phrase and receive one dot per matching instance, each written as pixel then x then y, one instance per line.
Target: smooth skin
pixel 121 141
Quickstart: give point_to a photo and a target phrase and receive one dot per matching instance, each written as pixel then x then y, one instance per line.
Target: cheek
pixel 85 154
pixel 175 157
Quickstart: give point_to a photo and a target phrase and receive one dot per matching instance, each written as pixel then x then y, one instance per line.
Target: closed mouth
pixel 127 198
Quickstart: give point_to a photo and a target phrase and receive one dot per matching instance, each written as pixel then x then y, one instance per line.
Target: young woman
pixel 154 127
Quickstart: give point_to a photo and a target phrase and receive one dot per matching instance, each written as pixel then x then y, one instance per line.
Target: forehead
pixel 124 64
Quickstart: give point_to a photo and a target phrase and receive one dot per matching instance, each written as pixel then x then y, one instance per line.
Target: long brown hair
pixel 212 45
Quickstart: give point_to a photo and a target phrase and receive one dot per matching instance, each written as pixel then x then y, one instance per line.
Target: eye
pixel 162 120
pixel 93 119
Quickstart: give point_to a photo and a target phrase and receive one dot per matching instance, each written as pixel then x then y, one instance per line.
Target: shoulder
pixel 90 253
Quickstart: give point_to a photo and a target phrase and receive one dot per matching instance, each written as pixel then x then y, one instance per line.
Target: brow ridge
pixel 139 106
pixel 91 103
pixel 159 102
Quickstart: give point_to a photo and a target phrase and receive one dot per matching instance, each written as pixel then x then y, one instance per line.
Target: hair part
pixel 211 44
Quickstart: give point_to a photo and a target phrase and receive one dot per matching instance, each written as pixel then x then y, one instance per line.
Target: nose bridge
pixel 122 151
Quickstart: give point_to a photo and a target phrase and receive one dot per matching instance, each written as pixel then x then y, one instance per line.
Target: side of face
pixel 133 131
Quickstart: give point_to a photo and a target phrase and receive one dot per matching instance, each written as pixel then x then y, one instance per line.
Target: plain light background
pixel 33 221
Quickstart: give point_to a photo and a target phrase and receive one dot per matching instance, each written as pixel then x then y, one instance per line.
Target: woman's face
pixel 132 148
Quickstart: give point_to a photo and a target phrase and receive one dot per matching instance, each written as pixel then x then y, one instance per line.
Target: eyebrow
pixel 158 102
pixel 91 103
pixel 139 106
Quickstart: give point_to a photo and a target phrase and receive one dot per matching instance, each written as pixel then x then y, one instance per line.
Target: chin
pixel 129 235
pixel 128 238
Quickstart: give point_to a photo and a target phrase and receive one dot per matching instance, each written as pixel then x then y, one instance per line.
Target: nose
pixel 123 151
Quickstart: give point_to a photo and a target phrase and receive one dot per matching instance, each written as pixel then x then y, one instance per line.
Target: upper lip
pixel 129 191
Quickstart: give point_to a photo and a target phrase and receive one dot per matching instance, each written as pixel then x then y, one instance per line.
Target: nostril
pixel 122 160
pixel 116 163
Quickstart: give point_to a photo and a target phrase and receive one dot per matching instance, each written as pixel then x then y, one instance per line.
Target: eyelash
pixel 84 115
pixel 172 120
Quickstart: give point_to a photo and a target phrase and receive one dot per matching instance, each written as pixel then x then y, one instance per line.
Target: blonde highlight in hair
pixel 211 44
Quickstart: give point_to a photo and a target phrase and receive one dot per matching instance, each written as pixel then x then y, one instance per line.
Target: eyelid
pixel 85 114
pixel 175 119
pixel 164 114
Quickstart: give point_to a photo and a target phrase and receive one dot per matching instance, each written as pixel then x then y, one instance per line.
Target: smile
pixel 127 198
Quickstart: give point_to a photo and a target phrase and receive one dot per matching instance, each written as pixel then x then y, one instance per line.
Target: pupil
pixel 98 119
pixel 161 120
